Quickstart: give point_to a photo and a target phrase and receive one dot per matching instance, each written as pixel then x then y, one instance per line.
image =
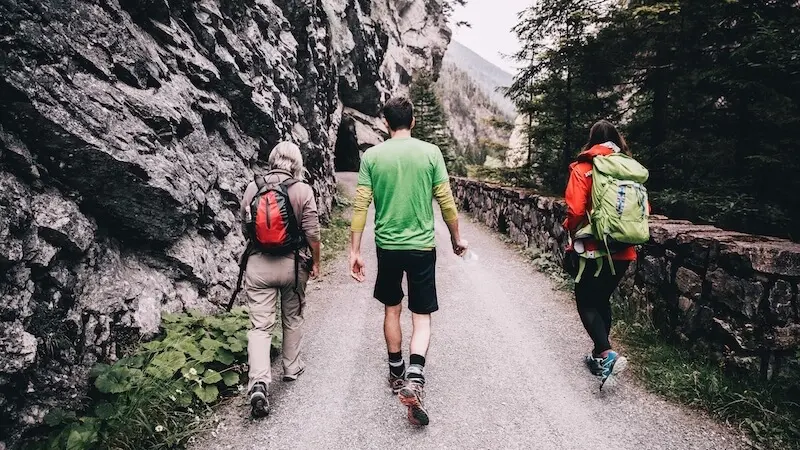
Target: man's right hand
pixel 459 246
pixel 357 267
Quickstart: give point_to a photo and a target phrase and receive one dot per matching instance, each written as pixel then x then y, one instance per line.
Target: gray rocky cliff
pixel 128 131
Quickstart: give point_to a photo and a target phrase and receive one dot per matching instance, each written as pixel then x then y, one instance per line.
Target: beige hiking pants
pixel 268 278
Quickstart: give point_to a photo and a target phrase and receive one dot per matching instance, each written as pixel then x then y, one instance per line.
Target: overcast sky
pixel 490 35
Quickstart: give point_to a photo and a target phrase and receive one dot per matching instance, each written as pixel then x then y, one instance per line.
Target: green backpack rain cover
pixel 619 212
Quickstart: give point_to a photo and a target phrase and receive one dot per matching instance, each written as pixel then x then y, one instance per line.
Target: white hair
pixel 286 156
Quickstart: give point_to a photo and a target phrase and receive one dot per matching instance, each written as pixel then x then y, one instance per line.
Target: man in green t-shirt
pixel 404 175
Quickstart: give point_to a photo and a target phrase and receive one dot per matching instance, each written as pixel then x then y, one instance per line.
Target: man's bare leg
pixel 391 328
pixel 394 341
pixel 421 334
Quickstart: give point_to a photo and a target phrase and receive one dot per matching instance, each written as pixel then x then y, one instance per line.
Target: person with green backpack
pixel 607 216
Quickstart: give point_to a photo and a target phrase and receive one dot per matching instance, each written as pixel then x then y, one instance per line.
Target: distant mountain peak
pixel 486 75
pixel 460 50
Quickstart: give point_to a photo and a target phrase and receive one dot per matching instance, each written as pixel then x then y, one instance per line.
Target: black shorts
pixel 420 269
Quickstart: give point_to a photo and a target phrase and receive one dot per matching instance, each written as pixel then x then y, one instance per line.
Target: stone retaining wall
pixel 729 295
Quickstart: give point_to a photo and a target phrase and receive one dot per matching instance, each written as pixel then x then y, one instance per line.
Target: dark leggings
pixel 593 296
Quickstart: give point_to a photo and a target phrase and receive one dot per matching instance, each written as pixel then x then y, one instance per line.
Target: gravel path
pixel 504 371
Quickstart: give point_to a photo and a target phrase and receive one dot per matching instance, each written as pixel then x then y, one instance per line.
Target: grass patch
pixel 765 410
pixel 336 233
pixel 160 395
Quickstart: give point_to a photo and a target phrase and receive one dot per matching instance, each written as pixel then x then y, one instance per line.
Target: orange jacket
pixel 579 198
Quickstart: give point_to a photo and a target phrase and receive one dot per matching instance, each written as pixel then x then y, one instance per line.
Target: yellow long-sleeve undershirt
pixel 444 196
pixel 360 208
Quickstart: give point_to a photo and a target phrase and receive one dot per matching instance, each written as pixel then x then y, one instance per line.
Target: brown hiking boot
pixel 411 396
pixel 396 383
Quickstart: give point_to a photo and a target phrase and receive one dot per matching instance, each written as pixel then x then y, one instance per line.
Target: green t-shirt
pixel 402 173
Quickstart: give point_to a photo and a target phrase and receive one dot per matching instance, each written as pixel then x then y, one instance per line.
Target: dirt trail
pixel 504 371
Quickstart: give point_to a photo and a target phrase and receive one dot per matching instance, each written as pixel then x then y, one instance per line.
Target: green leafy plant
pixel 161 394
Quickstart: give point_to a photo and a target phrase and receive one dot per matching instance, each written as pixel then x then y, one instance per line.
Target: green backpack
pixel 620 207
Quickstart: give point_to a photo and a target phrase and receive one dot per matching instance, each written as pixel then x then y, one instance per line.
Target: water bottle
pixel 470 256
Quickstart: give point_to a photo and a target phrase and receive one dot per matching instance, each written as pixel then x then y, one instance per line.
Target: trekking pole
pixel 242 267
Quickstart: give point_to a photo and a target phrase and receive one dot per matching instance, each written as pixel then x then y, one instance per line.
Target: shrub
pixel 161 394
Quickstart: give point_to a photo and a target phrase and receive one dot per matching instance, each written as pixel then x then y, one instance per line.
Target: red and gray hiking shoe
pixel 411 396
pixel 396 383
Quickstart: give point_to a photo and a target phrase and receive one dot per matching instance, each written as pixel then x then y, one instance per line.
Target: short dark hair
pixel 399 112
pixel 605 131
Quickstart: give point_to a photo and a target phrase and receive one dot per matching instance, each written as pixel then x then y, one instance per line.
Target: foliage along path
pixel 504 370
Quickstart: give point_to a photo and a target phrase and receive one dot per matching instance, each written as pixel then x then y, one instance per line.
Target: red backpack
pixel 271 224
pixel 271 227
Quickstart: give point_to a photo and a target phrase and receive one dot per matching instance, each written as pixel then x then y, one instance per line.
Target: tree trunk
pixel 529 135
pixel 658 131
pixel 566 154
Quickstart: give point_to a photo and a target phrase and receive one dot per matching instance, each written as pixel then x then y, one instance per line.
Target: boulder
pixel 14 217
pixel 38 252
pixel 689 284
pixel 737 337
pixel 18 348
pixel 780 302
pixel 652 270
pixel 685 304
pixel 786 338
pixel 763 254
pixel 61 223
pixel 16 294
pixel 739 295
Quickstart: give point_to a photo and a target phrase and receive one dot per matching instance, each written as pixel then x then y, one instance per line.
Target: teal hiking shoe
pixel 613 365
pixel 594 364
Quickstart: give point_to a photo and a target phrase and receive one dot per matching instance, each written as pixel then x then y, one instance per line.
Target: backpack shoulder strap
pixel 260 182
pixel 289 182
pixel 284 186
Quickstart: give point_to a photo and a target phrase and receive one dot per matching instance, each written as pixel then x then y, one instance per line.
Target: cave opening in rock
pixel 347 157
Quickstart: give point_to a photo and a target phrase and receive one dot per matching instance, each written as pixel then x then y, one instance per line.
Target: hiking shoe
pixel 290 378
pixel 595 365
pixel 396 383
pixel 259 403
pixel 613 365
pixel 411 396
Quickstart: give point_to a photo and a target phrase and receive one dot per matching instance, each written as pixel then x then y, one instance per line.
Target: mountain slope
pixel 479 118
pixel 485 74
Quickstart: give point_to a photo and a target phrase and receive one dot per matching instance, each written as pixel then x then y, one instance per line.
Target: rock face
pixel 731 296
pixel 128 131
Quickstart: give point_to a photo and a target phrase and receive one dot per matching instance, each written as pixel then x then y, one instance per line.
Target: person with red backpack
pixel 281 224
pixel 607 213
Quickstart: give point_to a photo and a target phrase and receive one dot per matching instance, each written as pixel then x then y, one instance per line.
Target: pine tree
pixel 431 122
pixel 557 89
pixel 707 94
